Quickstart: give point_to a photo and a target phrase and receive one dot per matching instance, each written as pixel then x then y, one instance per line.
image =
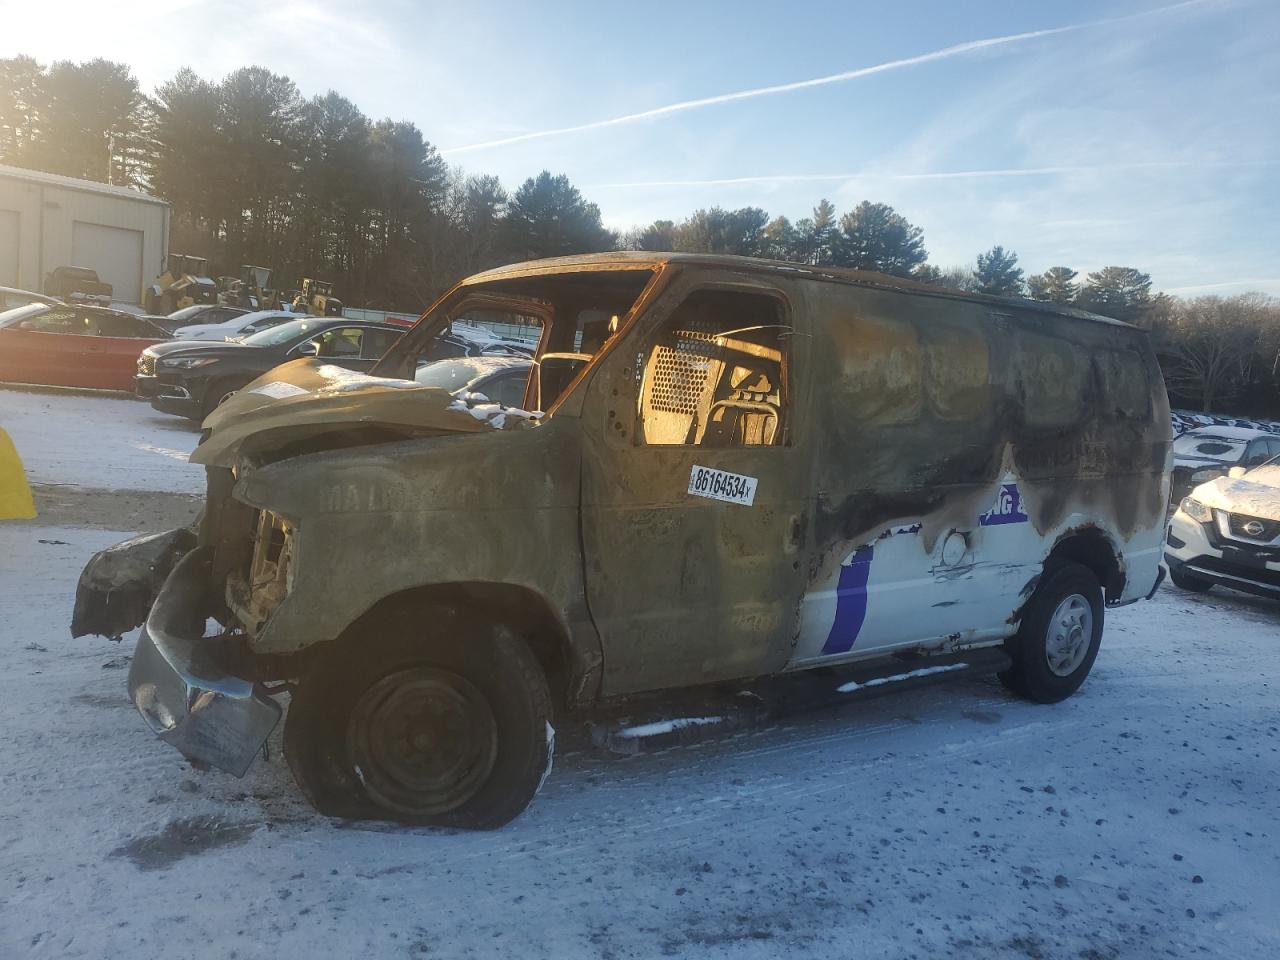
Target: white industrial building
pixel 48 221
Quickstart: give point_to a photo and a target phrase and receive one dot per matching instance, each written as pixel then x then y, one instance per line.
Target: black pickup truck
pixel 79 284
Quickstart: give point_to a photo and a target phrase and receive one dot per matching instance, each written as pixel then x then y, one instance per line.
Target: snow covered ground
pixel 100 441
pixel 1135 820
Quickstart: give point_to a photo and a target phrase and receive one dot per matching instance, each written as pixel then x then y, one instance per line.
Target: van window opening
pixel 715 375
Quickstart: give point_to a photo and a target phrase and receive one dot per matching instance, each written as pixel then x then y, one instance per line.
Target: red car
pixel 69 345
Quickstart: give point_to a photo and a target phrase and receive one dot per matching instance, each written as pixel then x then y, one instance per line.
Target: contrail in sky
pixel 946 53
pixel 935 175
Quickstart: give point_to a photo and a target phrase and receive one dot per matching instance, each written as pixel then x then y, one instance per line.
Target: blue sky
pixel 1149 139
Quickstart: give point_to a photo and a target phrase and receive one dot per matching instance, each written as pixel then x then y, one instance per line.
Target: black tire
pixel 1189 581
pixel 474 689
pixel 217 393
pixel 1042 669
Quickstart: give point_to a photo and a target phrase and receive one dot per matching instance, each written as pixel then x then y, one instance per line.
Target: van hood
pixel 1256 494
pixel 308 405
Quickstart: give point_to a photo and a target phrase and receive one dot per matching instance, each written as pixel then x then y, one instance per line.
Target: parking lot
pixel 1135 819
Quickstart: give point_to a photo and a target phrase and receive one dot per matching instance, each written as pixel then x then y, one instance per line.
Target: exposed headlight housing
pixel 1196 510
pixel 188 363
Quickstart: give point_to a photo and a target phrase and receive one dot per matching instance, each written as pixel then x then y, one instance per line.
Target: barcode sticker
pixel 721 485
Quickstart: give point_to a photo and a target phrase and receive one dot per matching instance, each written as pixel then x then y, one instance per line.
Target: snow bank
pixel 666 726
pixel 898 677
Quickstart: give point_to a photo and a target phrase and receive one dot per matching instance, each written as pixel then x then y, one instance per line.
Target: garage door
pixel 8 248
pixel 114 252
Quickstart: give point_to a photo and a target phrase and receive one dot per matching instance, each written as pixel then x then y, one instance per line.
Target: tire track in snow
pixel 772 802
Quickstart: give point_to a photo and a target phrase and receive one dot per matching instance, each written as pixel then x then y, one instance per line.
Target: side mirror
pixel 1235 473
pixel 308 349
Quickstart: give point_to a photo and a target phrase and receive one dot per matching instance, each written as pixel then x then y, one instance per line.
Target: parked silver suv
pixel 1227 532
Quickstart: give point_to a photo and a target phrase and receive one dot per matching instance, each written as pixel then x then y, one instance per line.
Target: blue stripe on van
pixel 851 602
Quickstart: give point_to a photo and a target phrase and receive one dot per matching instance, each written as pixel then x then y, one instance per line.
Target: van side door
pixel 694 486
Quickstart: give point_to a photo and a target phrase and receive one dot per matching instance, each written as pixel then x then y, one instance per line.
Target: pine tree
pixel 778 240
pixel 874 236
pixel 824 233
pixel 998 273
pixel 92 117
pixel 738 232
pixel 1055 285
pixel 1120 292
pixel 658 236
pixel 548 217
pixel 21 98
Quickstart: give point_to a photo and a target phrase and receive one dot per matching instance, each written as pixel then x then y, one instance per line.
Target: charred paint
pixel 907 407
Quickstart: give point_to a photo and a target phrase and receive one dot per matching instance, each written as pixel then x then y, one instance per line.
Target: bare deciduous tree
pixel 1209 346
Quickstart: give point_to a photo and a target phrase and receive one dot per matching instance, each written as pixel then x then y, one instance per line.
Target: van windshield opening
pixel 567 318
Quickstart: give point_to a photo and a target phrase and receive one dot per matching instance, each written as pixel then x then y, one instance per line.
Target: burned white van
pixel 723 468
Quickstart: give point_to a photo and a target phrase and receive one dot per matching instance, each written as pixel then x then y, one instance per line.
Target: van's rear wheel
pixel 448 731
pixel 1058 640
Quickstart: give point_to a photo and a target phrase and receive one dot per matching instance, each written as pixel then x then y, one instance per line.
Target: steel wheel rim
pixel 1069 635
pixel 422 740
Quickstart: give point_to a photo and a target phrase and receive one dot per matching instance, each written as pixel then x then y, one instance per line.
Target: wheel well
pixel 521 610
pixel 1091 548
pixel 214 385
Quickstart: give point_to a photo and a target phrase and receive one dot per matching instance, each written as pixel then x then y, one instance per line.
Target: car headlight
pixel 1200 476
pixel 1196 510
pixel 188 363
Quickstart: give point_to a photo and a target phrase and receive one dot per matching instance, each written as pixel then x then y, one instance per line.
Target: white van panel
pixel 893 593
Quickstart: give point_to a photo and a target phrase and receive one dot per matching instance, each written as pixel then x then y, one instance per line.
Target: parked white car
pixel 237 327
pixel 1201 455
pixel 1227 532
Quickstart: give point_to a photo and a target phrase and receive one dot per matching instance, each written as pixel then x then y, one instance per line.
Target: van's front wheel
pixel 1058 640
pixel 452 731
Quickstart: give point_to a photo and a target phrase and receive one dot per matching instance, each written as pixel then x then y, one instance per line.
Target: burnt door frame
pixel 685 589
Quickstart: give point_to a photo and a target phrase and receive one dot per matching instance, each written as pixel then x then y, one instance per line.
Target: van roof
pixel 643 259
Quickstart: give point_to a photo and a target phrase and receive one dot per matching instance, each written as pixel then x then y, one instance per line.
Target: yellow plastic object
pixel 15 492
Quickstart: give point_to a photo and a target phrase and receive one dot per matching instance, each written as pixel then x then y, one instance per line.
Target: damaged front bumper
pixel 187 698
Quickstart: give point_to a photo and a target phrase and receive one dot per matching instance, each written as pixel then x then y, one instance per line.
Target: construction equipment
pixel 251 290
pixel 317 299
pixel 183 283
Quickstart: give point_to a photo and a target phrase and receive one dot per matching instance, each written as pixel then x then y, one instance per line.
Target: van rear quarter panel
pixel 958 443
